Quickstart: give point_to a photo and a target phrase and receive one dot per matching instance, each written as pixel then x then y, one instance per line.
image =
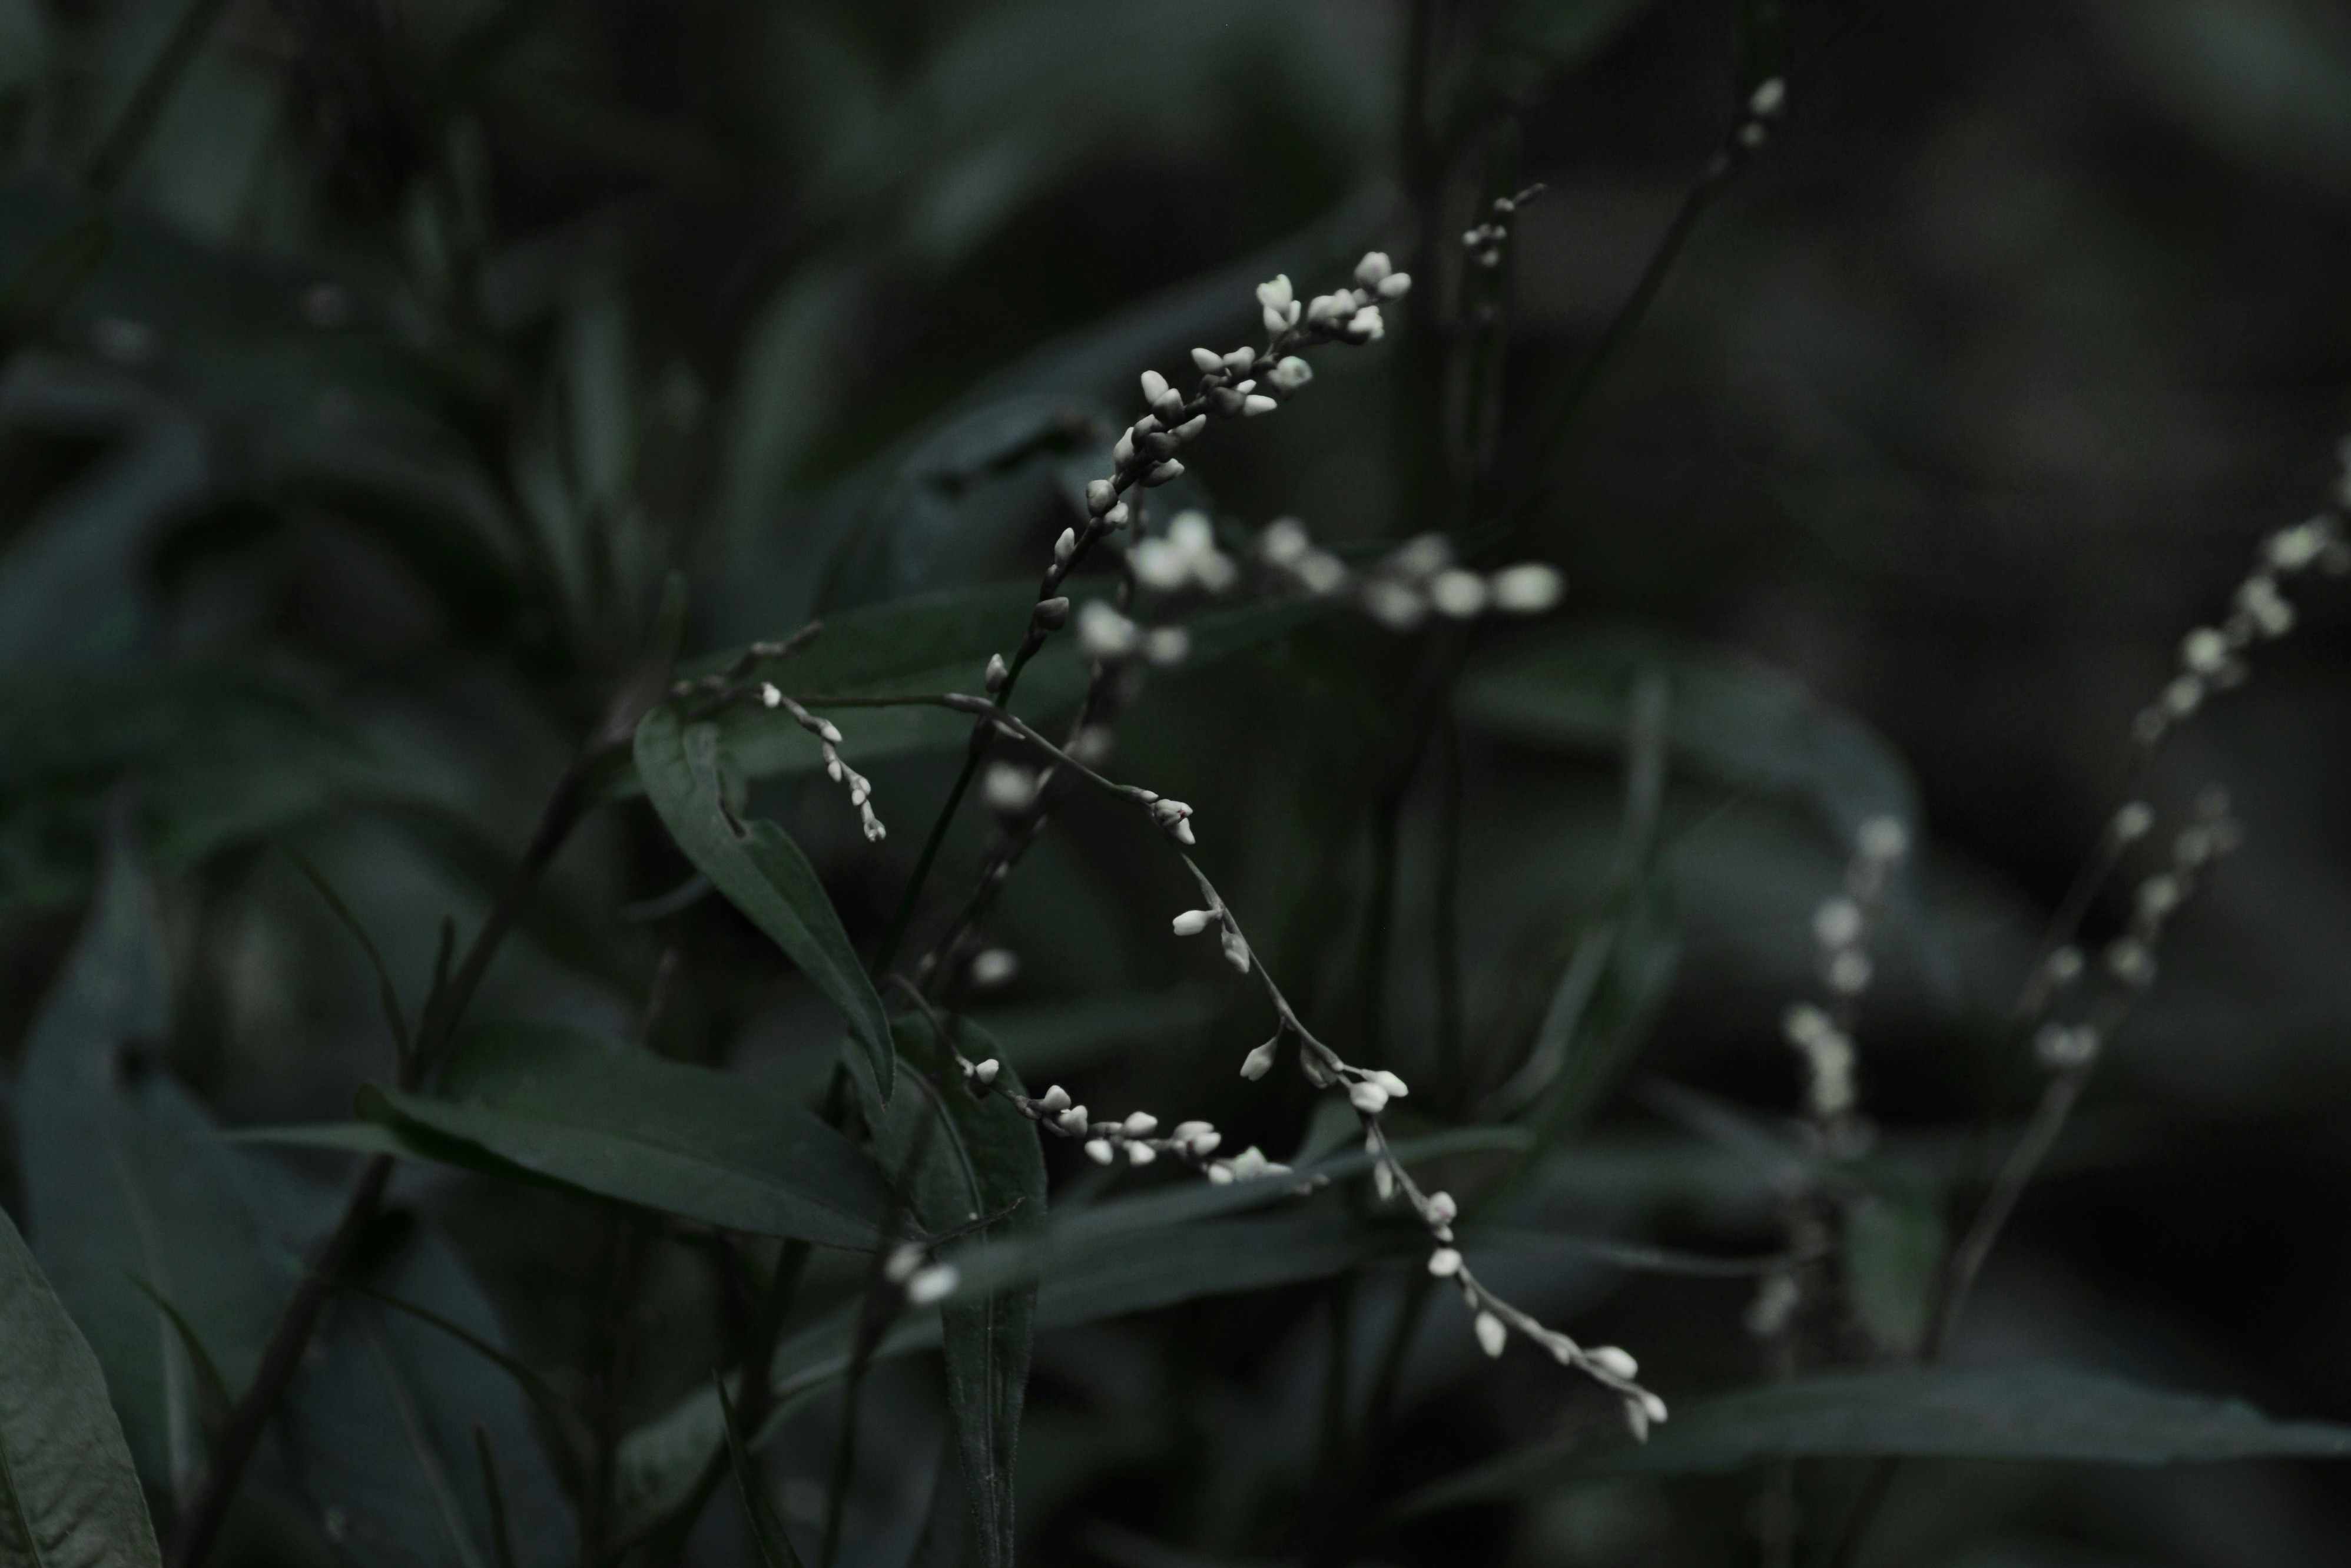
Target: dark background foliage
pixel 427 338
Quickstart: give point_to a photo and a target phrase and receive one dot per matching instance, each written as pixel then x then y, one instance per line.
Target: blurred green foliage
pixel 370 370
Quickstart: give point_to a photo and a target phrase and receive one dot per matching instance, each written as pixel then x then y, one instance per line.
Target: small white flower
pixel 936 1283
pixel 986 1070
pixel 1259 1063
pixel 1174 820
pixel 1367 1097
pixel 1240 359
pixel 1105 634
pixel 1099 1151
pixel 1769 96
pixel 768 696
pixel 1457 595
pixel 1366 325
pixel 2205 651
pixel 1613 1359
pixel 1373 269
pixel 1528 588
pixel 1491 1335
pixel 1072 1120
pixel 1442 1208
pixel 1325 308
pixel 1192 922
pixel 994 966
pixel 2133 820
pixel 1444 1262
pixel 1275 293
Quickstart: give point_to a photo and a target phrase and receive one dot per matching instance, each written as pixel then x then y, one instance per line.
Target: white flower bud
pixel 986 1070
pixel 1099 1151
pixel 1237 951
pixel 904 1259
pixel 1395 286
pixel 1383 1182
pixel 1392 1083
pixel 1275 293
pixel 1221 1174
pixel 1259 1063
pixel 2129 961
pixel 1065 547
pixel 1154 387
pixel 1141 1125
pixel 1769 96
pixel 1192 922
pixel 1444 1262
pixel 1121 452
pixel 1256 403
pixel 1171 469
pixel 2205 651
pixel 1240 359
pixel 1105 634
pixel 1322 573
pixel 1055 1099
pixel 1442 1208
pixel 936 1283
pixel 1101 496
pixel 1141 1153
pixel 1170 815
pixel 1008 788
pixel 1166 646
pixel 1204 1142
pixel 1613 1359
pixel 1373 268
pixel 1367 1097
pixel 1457 595
pixel 2133 820
pixel 1837 923
pixel 1207 361
pixel 1528 588
pixel 1250 1162
pixel 768 696
pixel 1491 1335
pixel 1366 325
pixel 1882 839
pixel 1290 373
pixel 994 967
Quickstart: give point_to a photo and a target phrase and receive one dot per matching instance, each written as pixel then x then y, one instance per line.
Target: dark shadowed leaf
pixel 70 1496
pixel 977 1166
pixel 761 872
pixel 617 1121
pixel 767 1529
pixel 2006 1412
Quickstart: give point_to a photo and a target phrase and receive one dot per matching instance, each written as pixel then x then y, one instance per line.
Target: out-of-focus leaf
pixel 2269 80
pixel 767 1529
pixel 1733 719
pixel 124 1176
pixel 72 583
pixel 1892 1248
pixel 958 500
pixel 617 1121
pixel 379 1423
pixel 761 872
pixel 70 1496
pixel 211 1391
pixel 218 755
pixel 976 1165
pixel 2008 1413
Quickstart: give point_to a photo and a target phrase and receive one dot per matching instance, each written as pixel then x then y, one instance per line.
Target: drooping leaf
pixel 976 1166
pixel 617 1121
pixel 380 1422
pixel 761 872
pixel 125 1181
pixel 2049 1414
pixel 70 1496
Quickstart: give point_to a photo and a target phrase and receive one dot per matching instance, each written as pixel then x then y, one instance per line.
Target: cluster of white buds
pixel 1185 557
pixel 1841 925
pixel 921 1281
pixel 828 735
pixel 1107 636
pixel 1350 314
pixel 1765 105
pixel 1137 1133
pixel 1487 242
pixel 1828 1060
pixel 2214 658
pixel 1418 579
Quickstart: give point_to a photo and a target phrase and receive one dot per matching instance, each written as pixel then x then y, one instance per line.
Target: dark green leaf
pixel 211 1391
pixel 1977 1413
pixel 1893 1249
pixel 495 1492
pixel 761 872
pixel 977 1166
pixel 381 1422
pixel 70 1497
pixel 1733 719
pixel 617 1121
